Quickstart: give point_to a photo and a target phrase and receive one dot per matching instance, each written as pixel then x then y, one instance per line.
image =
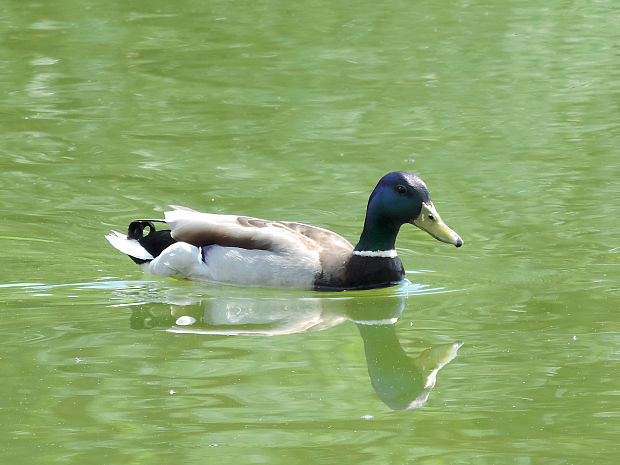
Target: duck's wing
pixel 324 239
pixel 203 229
pixel 334 250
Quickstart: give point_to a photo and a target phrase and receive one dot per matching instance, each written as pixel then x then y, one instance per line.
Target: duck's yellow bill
pixel 430 221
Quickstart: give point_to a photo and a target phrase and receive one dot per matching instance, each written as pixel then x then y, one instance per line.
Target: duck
pixel 247 251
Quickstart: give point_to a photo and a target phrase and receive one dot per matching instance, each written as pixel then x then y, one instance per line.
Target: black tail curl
pixel 154 241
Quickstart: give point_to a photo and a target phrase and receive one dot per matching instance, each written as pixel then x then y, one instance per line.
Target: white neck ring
pixel 376 253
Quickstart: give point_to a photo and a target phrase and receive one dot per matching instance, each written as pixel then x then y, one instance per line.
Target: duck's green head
pixel 400 198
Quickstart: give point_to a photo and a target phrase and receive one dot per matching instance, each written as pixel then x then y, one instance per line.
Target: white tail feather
pixel 130 247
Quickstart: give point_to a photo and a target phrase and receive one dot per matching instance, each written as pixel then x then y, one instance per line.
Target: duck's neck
pixel 378 234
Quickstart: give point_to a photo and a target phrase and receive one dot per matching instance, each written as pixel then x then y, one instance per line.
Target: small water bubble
pixel 185 320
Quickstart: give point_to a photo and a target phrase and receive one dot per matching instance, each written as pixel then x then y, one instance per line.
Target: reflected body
pixel 254 252
pixel 401 382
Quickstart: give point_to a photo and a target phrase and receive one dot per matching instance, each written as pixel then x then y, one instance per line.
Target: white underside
pixel 232 265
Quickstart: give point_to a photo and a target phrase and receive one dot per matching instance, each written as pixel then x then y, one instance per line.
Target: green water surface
pixel 510 111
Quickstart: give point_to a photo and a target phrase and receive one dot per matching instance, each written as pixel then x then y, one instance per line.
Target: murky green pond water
pixel 510 111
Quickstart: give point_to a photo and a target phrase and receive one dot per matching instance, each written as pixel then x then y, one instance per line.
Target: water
pixel 293 112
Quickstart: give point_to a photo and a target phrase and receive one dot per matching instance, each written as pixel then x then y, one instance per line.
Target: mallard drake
pixel 247 251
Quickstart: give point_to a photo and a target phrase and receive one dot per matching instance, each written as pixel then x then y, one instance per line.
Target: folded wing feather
pixel 202 229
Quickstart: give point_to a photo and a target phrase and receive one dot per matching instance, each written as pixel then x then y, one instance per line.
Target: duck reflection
pixel 400 381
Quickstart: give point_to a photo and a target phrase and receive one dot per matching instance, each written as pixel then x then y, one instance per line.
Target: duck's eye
pixel 401 189
pixel 431 217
